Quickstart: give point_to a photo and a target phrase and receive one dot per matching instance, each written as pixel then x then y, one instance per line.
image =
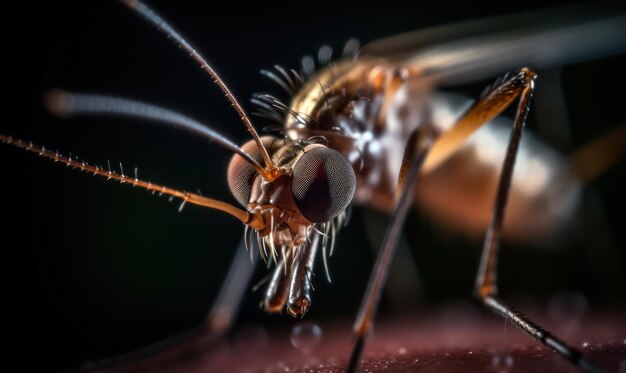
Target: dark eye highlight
pixel 323 184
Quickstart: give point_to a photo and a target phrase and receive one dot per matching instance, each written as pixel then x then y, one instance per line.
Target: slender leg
pixel 372 295
pixel 195 340
pixel 486 282
pixel 420 155
pixel 404 285
pixel 491 104
pixel 226 306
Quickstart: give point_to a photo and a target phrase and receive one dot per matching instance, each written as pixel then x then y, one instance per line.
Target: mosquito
pixel 339 143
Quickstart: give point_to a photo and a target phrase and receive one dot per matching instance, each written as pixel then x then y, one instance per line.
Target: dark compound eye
pixel 323 184
pixel 241 174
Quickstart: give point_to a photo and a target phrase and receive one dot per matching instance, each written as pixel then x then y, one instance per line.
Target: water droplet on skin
pixel 585 344
pixel 502 363
pixel 280 364
pixel 306 336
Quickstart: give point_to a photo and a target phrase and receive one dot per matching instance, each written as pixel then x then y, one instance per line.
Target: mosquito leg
pixel 486 284
pixel 225 308
pixel 419 156
pixel 492 103
pixel 404 284
pixel 372 295
pixel 198 339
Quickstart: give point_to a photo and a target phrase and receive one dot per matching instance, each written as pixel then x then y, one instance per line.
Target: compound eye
pixel 323 184
pixel 241 174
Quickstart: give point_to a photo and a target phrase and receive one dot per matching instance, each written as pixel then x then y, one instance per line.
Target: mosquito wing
pixel 479 49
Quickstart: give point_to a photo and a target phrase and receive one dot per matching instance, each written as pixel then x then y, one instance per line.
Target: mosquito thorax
pixel 332 91
pixel 349 104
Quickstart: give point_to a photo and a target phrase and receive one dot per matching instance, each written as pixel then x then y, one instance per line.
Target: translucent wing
pixel 475 50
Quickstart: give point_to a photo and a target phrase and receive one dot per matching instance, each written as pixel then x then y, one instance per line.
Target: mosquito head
pixel 316 185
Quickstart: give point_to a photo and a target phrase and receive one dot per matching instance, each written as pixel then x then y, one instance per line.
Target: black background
pixel 94 269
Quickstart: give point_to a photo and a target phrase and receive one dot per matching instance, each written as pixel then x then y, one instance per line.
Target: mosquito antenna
pixel 64 104
pixel 145 11
pixel 254 220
